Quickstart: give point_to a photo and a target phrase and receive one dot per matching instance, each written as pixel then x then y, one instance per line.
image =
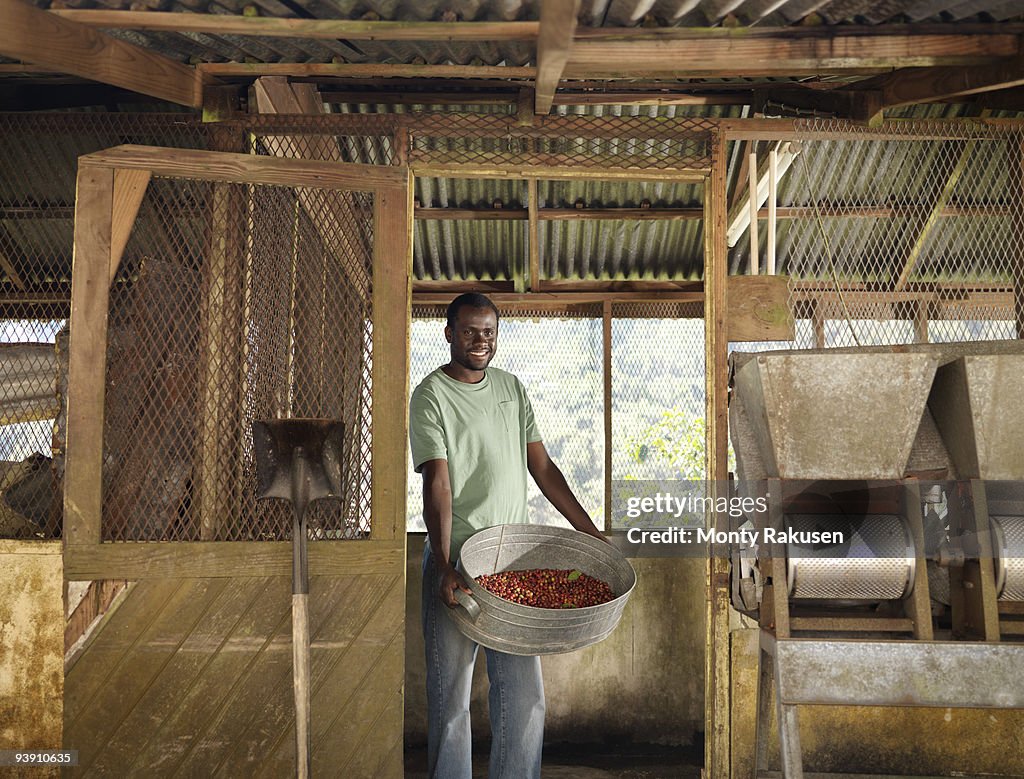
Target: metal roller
pixel 1008 550
pixel 875 562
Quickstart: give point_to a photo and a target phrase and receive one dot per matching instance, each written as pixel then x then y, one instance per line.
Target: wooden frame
pixel 66 46
pixel 97 218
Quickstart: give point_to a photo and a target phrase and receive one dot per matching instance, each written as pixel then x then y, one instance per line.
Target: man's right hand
pixel 451 580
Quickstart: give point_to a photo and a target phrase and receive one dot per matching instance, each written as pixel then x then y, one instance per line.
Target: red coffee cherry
pixel 548 588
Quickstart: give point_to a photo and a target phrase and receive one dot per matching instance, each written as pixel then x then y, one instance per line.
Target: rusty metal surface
pixel 976 406
pixel 898 673
pixel 592 14
pixel 832 416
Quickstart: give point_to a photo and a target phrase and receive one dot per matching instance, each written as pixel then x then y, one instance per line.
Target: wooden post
pixel 129 189
pixel 773 194
pixel 818 323
pixel 221 315
pixel 717 681
pixel 755 264
pixel 90 294
pixel 606 310
pixel 392 288
pixel 533 239
pixel 920 309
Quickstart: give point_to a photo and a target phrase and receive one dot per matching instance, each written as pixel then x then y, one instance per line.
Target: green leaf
pixel 574 576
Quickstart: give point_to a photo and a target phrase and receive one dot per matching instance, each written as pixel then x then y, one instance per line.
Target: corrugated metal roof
pixel 593 13
pixel 39 163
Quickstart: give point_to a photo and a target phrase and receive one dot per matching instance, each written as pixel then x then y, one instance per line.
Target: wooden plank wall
pixel 192 677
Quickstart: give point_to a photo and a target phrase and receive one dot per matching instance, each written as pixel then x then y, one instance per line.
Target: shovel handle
pixel 300 679
pixel 468 602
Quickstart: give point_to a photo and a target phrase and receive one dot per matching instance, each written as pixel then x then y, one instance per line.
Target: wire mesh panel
pixel 38 163
pixel 366 139
pixel 234 303
pixel 558 359
pixel 657 391
pixel 627 143
pixel 911 235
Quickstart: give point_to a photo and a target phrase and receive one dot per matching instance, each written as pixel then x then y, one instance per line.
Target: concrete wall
pixel 644 683
pixel 31 645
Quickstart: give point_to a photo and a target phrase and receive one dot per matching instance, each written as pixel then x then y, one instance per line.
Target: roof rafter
pixel 45 39
pixel 326 29
pixel 866 100
pixel 922 85
pixel 741 55
pixel 557 26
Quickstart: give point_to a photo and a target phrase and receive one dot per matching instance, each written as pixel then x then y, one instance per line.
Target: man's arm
pixel 552 483
pixel 437 514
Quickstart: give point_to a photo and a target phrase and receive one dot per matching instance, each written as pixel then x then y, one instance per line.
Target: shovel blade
pixel 275 442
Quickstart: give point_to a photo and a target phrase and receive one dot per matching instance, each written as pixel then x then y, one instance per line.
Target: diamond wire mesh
pixel 558 359
pixel 628 143
pixel 657 391
pixel 38 162
pixel 237 303
pixel 360 138
pixel 915 236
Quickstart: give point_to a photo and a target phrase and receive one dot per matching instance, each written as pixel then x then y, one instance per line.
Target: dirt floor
pixel 589 761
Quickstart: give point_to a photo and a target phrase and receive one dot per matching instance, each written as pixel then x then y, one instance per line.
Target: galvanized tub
pixel 526 630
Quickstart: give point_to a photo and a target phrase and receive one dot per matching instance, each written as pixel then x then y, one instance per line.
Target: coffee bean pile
pixel 548 588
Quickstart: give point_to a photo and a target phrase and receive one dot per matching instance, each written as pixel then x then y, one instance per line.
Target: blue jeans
pixel 516 698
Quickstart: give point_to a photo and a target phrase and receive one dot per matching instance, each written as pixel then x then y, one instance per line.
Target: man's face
pixel 474 338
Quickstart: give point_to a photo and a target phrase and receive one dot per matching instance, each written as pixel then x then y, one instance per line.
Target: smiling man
pixel 474 438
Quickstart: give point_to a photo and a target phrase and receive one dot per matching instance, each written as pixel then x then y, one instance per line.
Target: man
pixel 474 438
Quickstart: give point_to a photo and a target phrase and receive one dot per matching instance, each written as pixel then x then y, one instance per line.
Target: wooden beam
pixel 419 98
pixel 90 293
pixel 833 211
pixel 810 32
pixel 557 170
pixel 533 238
pixel 319 29
pixel 554 41
pixel 392 270
pixel 717 688
pixel 45 39
pixel 923 85
pixel 129 189
pixel 740 55
pixel 552 214
pixel 653 98
pixel 243 168
pixel 626 285
pixel 359 70
pixel 473 214
pixel 217 559
pixel 758 308
pixel 542 299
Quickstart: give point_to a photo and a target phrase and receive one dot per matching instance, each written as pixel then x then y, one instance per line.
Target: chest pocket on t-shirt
pixel 507 410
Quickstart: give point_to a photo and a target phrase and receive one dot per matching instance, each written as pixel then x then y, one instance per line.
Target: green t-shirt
pixel 481 430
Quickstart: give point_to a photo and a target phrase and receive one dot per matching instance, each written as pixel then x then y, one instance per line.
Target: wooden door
pixel 189 674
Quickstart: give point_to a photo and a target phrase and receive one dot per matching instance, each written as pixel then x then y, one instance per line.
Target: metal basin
pixel 526 630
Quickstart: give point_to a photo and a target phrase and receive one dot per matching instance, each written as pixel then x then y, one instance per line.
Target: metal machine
pixel 913 457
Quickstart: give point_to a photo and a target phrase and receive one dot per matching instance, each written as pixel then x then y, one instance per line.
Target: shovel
pixel 299 460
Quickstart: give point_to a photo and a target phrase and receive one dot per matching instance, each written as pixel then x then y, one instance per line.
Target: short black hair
pixel 469 300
